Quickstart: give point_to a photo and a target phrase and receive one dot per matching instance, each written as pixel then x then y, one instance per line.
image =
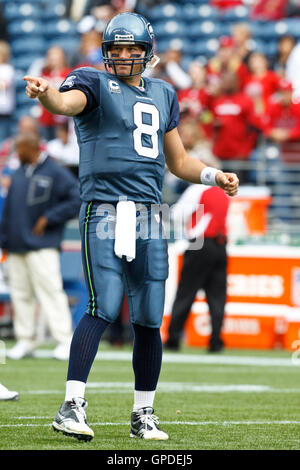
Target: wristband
pixel 208 176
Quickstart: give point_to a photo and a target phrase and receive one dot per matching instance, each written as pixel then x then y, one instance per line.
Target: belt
pixel 219 239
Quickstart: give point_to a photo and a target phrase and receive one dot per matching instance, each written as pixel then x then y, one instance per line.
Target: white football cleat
pixel 21 349
pixel 62 352
pixel 144 424
pixel 71 420
pixel 6 394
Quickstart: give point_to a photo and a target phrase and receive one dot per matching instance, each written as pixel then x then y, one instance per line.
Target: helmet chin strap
pixel 153 63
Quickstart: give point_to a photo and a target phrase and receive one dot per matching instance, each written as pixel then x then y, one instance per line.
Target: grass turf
pixel 195 418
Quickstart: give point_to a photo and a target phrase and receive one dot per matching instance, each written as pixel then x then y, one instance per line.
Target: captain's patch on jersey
pixel 69 81
pixel 114 86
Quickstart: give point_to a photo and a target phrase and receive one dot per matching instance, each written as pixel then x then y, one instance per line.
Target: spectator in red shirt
pixel 282 122
pixel 226 4
pixel 54 71
pixel 234 133
pixel 226 60
pixel 193 101
pixel 261 83
pixel 269 9
pixel 241 35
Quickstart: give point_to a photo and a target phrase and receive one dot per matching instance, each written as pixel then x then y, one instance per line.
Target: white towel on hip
pixel 125 234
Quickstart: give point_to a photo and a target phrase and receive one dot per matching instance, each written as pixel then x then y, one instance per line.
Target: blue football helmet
pixel 128 28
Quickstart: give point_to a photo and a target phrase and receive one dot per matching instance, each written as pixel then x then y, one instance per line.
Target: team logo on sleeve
pixel 114 87
pixel 69 81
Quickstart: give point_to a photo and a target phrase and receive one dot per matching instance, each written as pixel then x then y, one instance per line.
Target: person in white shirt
pixel 292 73
pixel 7 91
pixel 64 148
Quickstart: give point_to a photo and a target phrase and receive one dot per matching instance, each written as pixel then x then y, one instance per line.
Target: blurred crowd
pixel 237 100
pixel 229 102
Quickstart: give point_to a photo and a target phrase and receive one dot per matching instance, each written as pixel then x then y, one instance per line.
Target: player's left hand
pixel 228 181
pixel 40 226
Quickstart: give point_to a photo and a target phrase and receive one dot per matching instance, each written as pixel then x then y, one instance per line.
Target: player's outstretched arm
pixel 187 168
pixel 69 103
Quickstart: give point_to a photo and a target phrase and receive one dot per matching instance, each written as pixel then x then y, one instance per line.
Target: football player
pixel 126 127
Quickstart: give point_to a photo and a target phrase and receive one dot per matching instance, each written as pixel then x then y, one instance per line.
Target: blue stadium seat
pixel 168 11
pixel 27 46
pixel 181 44
pixel 26 110
pixel 197 12
pixel 34 2
pixel 256 27
pixel 25 28
pixel 269 48
pixel 53 11
pixel 53 2
pixel 20 84
pixel 62 27
pixel 16 11
pixel 204 29
pixel 194 2
pixel 170 29
pixel 206 12
pixel 237 14
pixel 258 45
pixel 206 48
pixel 273 30
pixel 22 99
pixel 292 26
pixel 23 62
pixel 189 12
pixel 225 29
pixel 272 48
pixel 186 62
pixel 68 44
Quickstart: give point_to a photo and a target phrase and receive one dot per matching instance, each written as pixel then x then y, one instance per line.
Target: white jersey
pixel 7 89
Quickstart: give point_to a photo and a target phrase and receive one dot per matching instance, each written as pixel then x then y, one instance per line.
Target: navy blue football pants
pixel 108 277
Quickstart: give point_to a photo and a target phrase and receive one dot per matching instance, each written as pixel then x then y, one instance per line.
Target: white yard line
pixel 170 387
pixel 189 358
pixel 185 423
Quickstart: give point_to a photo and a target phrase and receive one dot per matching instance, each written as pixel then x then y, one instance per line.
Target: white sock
pixel 74 389
pixel 143 399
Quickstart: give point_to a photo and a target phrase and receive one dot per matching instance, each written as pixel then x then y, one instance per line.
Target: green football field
pixel 239 399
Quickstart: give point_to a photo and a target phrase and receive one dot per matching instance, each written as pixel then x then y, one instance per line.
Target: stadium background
pixel 263 308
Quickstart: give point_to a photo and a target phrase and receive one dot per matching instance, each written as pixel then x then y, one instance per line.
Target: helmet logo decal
pixel 124 37
pixel 150 30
